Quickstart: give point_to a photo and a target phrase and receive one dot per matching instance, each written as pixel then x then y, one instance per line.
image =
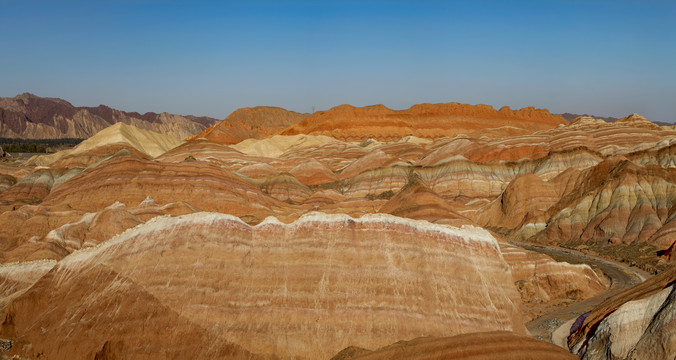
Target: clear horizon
pixel 208 59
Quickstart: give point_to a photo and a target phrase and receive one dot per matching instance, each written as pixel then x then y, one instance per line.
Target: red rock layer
pixel 347 122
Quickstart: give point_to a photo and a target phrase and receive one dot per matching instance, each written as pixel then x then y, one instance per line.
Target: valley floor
pixel 622 276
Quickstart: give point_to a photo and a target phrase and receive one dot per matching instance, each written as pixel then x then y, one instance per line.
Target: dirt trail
pixel 622 276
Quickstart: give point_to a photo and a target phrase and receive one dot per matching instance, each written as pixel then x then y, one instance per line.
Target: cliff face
pixel 32 117
pixel 347 122
pixel 324 281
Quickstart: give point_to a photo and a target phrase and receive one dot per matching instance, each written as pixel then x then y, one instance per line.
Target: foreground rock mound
pixel 638 323
pixel 209 285
pixel 476 346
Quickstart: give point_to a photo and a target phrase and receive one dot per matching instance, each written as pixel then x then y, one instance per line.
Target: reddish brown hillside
pixel 246 123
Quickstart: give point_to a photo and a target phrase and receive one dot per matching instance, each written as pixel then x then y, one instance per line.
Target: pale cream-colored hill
pixel 279 144
pixel 145 141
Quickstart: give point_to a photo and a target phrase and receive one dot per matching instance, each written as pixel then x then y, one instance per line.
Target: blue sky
pixel 211 57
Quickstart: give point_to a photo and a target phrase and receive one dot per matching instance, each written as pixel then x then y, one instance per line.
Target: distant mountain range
pixel 29 116
pixel 570 117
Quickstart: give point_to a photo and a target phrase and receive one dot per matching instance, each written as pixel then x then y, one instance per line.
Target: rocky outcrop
pixel 638 323
pixel 351 123
pixel 325 281
pixel 250 123
pixel 31 117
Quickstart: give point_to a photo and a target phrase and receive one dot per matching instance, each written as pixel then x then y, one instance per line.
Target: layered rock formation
pixel 34 187
pixel 638 323
pixel 17 278
pixel 544 283
pixel 39 232
pixel 324 282
pixel 130 180
pixel 107 142
pixel 250 123
pixel 31 117
pixel 347 122
pixel 417 201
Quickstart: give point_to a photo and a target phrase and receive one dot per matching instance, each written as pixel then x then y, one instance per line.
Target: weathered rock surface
pixel 207 284
pixel 638 323
pixel 16 278
pixel 33 117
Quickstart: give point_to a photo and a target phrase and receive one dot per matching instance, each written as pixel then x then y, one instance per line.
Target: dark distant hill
pixel 570 117
pixel 28 116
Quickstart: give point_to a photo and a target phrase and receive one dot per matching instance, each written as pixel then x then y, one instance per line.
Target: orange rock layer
pixel 347 122
pixel 250 123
